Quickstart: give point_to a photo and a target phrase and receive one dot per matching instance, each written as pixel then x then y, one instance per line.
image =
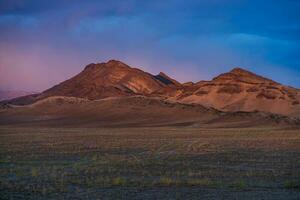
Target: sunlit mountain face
pixel 45 42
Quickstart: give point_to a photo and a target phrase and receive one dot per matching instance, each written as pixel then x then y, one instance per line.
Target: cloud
pixel 191 40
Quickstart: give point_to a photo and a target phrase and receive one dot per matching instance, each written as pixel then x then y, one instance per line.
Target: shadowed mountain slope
pixel 131 111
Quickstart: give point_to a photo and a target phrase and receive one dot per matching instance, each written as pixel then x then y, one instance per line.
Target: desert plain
pixel 171 162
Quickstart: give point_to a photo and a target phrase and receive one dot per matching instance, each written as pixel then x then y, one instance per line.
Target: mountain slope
pixel 131 111
pixel 113 78
pixel 113 111
pixel 241 90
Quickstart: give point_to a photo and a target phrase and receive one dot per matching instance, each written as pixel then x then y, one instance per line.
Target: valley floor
pixel 149 163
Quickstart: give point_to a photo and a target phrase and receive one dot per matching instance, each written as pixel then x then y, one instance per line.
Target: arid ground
pixel 149 163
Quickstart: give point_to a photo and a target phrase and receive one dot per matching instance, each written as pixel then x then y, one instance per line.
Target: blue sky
pixel 45 42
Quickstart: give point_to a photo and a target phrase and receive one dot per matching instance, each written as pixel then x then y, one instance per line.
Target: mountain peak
pixel 238 70
pixel 115 62
pixel 242 75
pixel 166 79
pixel 90 66
pixel 162 74
pixel 110 63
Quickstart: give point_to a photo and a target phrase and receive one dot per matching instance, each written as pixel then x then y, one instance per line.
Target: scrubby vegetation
pixel 85 163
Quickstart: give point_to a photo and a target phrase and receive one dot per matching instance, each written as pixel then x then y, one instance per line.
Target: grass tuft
pixel 166 181
pixel 118 181
pixel 239 185
pixel 34 172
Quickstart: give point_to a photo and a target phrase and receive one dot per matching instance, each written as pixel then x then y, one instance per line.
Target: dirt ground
pixel 149 163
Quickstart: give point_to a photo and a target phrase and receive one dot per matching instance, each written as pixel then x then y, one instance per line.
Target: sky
pixel 45 42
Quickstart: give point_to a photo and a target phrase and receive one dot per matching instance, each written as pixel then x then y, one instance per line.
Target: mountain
pixel 98 81
pixel 241 90
pixel 10 94
pixel 236 91
pixel 113 78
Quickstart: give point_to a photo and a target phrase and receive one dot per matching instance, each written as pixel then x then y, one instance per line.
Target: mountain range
pixel 115 93
pixel 11 94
